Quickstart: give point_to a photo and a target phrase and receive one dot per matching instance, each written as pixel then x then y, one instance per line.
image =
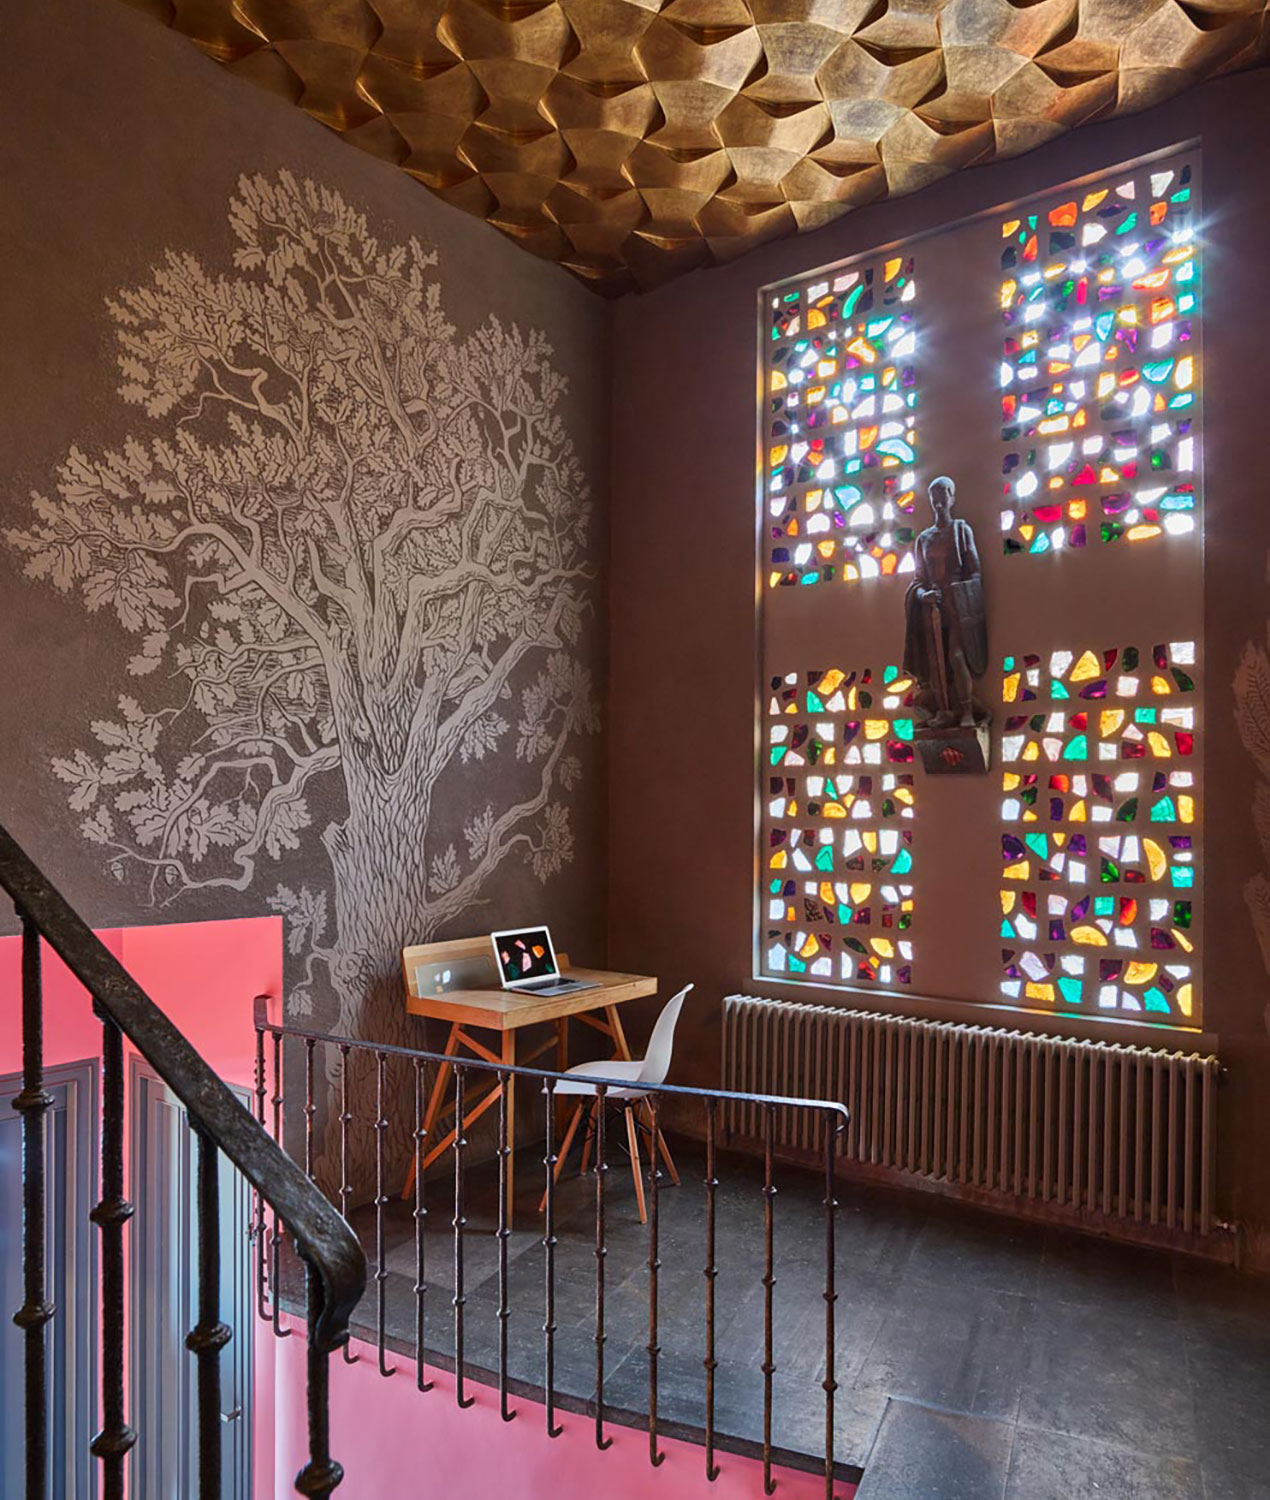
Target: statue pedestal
pixel 959 751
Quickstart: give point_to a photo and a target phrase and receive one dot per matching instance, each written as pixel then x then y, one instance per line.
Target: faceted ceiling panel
pixel 631 139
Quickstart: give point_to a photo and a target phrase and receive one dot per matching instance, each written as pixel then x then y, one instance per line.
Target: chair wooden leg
pixel 632 1138
pixel 570 1129
pixel 588 1139
pixel 660 1145
pixel 665 1156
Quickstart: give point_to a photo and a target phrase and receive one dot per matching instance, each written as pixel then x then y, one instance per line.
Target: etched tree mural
pixel 351 551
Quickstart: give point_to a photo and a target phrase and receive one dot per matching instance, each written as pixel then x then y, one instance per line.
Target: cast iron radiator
pixel 1095 1127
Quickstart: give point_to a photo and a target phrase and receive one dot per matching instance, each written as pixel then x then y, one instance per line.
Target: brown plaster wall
pixel 118 142
pixel 682 585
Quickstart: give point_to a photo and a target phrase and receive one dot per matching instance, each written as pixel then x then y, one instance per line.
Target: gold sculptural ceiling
pixel 633 139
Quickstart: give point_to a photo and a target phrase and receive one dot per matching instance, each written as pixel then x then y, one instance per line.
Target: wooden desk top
pixel 495 1009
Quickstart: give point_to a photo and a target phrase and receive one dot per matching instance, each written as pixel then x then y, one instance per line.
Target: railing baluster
pixel 381 1199
pixel 420 1218
pixel 346 1187
pixel 711 1274
pixel 258 1231
pixel 113 1442
pixel 209 1335
pixel 310 1108
pixel 321 1474
pixel 831 1297
pixel 654 1266
pixel 33 1316
pixel 765 1107
pixel 460 1223
pixel 275 1235
pixel 769 1283
pixel 549 1258
pixel 601 1171
pixel 504 1234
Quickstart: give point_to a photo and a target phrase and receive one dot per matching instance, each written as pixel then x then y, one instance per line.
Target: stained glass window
pixel 837 894
pixel 1093 322
pixel 1099 843
pixel 841 389
pixel 1099 370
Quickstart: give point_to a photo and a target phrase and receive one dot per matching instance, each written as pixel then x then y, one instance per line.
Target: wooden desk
pixel 477 1003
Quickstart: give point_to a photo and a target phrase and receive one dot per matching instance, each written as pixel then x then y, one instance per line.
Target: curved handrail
pixel 274 1026
pixel 322 1238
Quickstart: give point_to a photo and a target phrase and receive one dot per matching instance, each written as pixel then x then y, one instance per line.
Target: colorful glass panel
pixel 1099 371
pixel 837 857
pixel 1099 844
pixel 839 477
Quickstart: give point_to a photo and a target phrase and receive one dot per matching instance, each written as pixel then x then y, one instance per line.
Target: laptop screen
pixel 524 954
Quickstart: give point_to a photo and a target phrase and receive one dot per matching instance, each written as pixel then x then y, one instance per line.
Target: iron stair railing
pixel 333 1259
pixel 468 1074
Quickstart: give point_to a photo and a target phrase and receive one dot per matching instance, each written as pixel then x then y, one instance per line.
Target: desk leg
pixel 509 1057
pixel 562 1065
pixel 435 1100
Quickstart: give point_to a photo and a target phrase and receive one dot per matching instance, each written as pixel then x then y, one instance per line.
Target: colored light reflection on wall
pixel 1099 370
pixel 1099 841
pixel 837 895
pixel 841 393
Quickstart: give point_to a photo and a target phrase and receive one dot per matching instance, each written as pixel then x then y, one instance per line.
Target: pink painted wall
pixel 385 1432
pixel 202 975
pixel 70 1031
pixel 205 975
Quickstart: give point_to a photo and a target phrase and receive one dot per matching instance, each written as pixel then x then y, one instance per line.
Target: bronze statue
pixel 945 625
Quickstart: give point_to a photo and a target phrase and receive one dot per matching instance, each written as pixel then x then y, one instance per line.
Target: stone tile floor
pixel 976 1355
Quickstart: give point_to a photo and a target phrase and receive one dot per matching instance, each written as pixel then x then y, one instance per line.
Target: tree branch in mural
pixel 355 555
pixel 1252 716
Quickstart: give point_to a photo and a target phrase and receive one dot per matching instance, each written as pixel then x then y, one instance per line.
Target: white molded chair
pixel 643 1073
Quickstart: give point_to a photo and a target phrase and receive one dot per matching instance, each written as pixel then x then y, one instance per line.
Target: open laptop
pixel 526 962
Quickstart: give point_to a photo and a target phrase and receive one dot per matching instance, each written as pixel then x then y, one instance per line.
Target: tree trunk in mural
pixel 353 550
